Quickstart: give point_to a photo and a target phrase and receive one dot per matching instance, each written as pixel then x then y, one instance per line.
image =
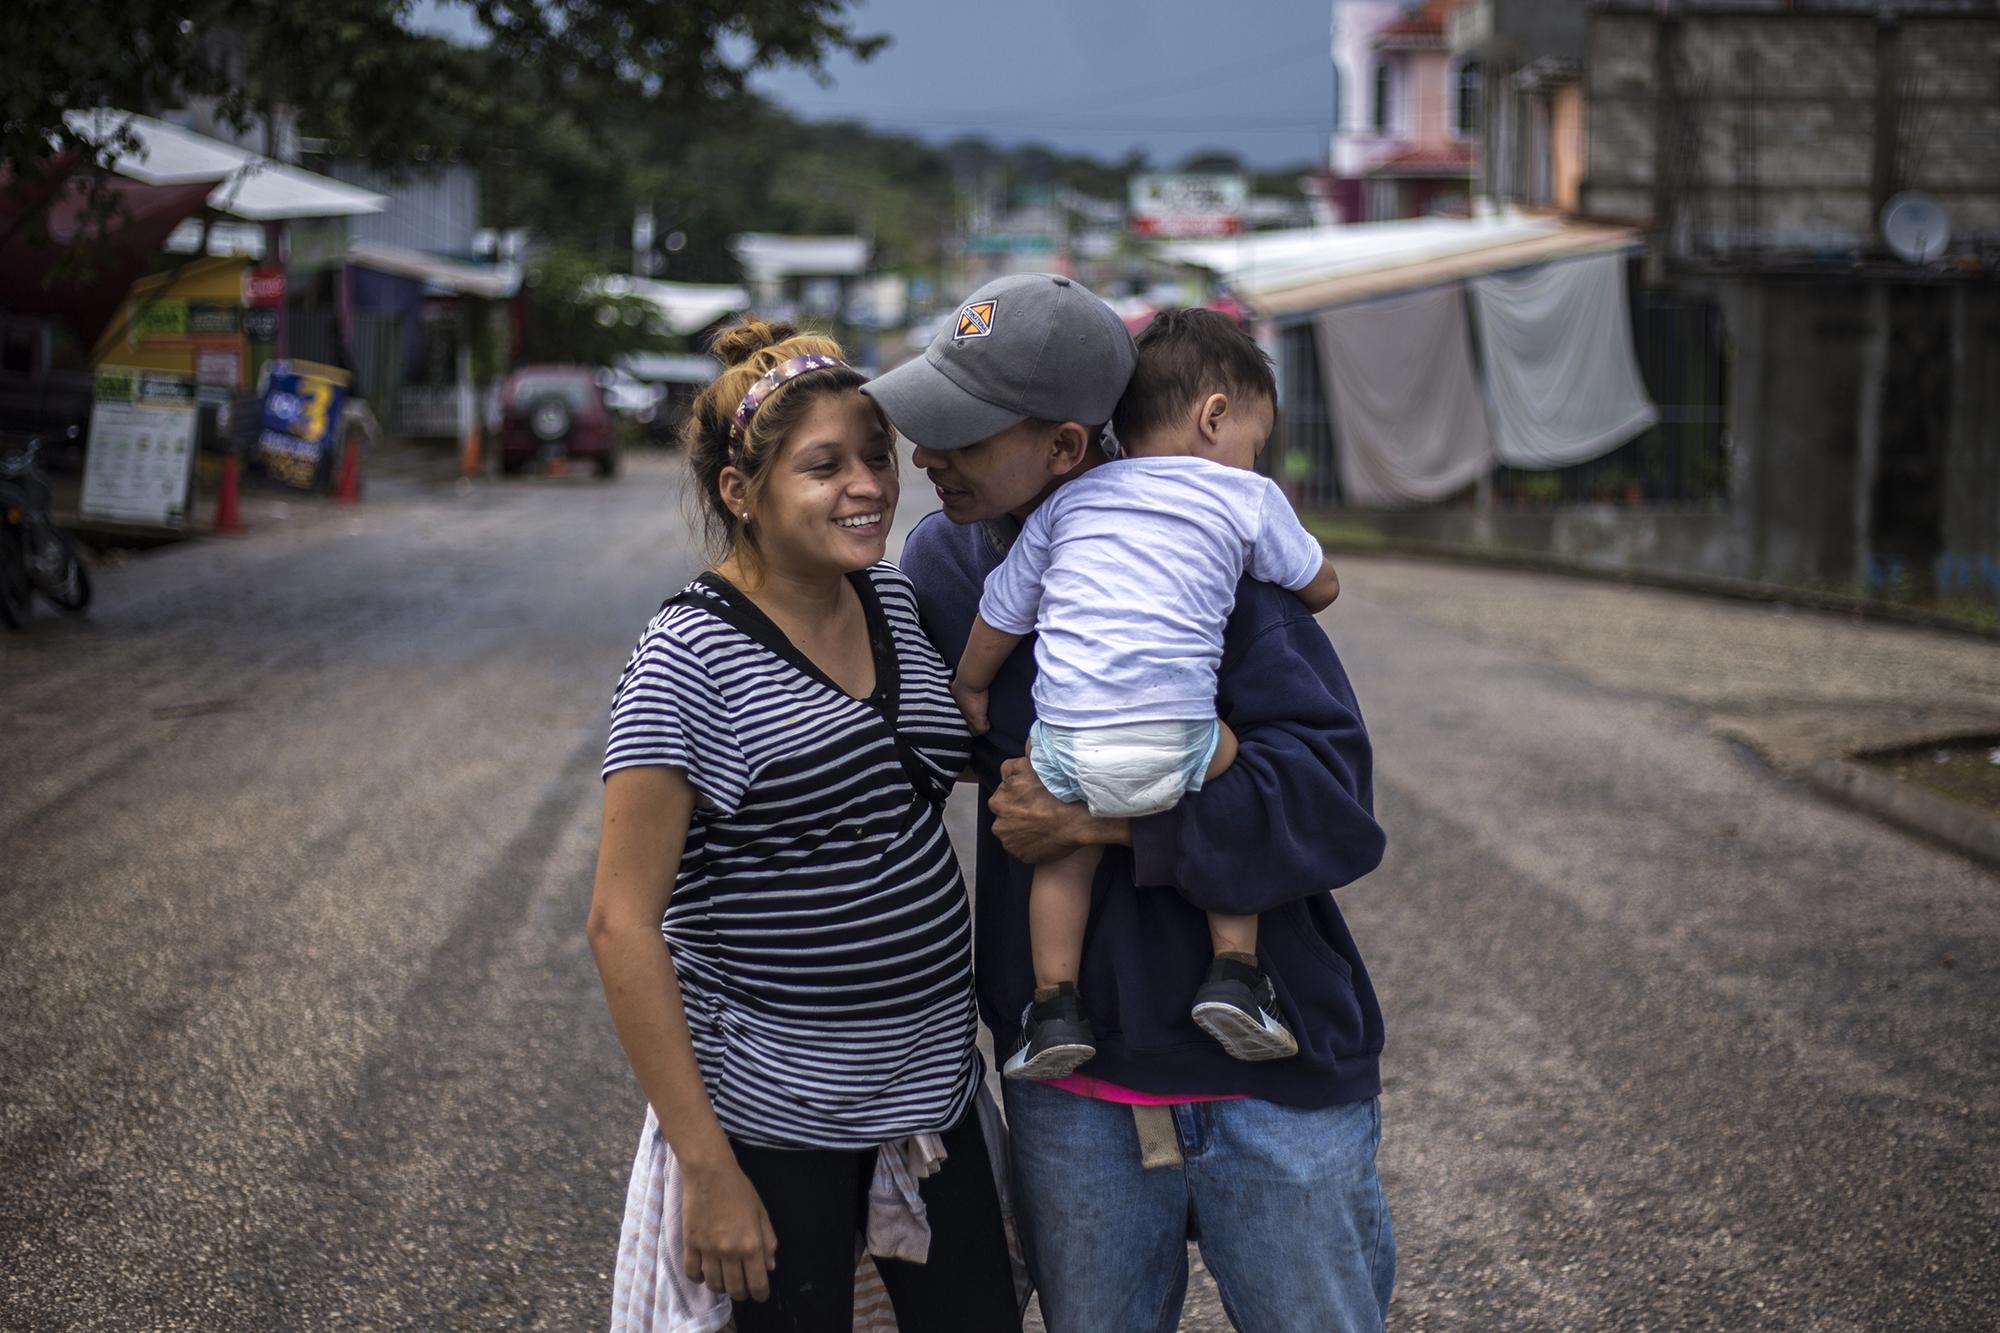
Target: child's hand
pixel 972 703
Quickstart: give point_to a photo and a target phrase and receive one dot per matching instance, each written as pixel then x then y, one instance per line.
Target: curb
pixel 1961 827
pixel 1707 585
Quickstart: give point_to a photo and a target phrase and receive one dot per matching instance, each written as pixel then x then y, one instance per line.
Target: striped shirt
pixel 818 923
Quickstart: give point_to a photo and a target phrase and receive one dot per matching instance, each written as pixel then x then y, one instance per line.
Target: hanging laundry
pixel 1409 425
pixel 1560 374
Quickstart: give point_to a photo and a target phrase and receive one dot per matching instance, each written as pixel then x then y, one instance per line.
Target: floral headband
pixel 765 387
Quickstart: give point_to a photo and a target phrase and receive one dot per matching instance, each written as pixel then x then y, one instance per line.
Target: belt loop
pixel 1159 1145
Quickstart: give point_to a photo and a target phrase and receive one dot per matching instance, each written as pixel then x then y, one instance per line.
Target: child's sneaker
pixel 1238 1007
pixel 1055 1037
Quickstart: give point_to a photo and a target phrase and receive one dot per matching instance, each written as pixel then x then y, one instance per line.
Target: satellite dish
pixel 1915 226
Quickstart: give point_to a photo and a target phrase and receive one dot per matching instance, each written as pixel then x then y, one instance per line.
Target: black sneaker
pixel 1055 1038
pixel 1238 1007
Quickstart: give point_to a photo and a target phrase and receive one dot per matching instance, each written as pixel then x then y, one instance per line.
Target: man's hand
pixel 972 703
pixel 1035 827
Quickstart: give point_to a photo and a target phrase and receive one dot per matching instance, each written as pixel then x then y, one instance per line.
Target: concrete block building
pixel 1762 144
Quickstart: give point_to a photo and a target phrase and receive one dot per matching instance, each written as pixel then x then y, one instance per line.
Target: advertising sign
pixel 302 402
pixel 261 325
pixel 264 286
pixel 140 459
pixel 1179 207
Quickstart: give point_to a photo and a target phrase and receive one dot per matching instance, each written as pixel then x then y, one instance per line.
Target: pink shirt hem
pixel 1083 1085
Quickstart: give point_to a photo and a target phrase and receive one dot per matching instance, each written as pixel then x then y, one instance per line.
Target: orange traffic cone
pixel 469 460
pixel 227 517
pixel 347 490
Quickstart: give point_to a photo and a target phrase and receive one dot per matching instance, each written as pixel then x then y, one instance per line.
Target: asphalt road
pixel 298 1028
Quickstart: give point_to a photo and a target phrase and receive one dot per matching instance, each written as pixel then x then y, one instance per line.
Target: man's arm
pixel 1293 816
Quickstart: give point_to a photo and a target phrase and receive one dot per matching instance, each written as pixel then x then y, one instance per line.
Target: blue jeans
pixel 1289 1206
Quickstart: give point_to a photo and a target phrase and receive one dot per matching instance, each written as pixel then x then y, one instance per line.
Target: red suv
pixel 556 411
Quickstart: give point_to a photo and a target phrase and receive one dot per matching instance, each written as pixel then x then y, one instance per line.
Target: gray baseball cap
pixel 1029 345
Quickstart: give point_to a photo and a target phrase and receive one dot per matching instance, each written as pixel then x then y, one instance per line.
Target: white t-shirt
pixel 1127 576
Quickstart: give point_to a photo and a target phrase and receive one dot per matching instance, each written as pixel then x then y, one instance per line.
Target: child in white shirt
pixel 1127 576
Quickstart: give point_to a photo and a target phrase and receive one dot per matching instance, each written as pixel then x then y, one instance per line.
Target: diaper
pixel 1123 771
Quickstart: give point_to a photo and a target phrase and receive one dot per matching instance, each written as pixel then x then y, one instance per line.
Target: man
pixel 1162 1135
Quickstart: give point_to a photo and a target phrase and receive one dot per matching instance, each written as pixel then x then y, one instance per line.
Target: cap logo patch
pixel 975 320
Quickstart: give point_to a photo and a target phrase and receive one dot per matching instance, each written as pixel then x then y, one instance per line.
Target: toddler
pixel 1127 576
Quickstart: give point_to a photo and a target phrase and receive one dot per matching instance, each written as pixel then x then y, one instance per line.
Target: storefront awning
pixel 254 187
pixel 1295 273
pixel 87 298
pixel 492 282
pixel 685 307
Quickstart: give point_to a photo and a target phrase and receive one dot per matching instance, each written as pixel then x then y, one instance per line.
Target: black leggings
pixel 818 1203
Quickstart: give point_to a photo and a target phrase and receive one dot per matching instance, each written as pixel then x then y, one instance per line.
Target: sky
pixel 1103 77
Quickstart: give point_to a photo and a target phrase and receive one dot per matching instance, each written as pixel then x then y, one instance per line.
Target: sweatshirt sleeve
pixel 1294 815
pixel 1013 593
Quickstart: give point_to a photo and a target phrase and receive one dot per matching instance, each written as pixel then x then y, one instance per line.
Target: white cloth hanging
pixel 1409 421
pixel 1560 375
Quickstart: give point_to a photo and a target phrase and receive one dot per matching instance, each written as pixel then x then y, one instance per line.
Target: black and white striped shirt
pixel 818 924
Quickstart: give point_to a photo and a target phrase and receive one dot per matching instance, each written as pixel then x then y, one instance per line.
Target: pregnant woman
pixel 778 917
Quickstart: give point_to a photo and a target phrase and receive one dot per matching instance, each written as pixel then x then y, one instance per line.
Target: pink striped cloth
pixel 652 1293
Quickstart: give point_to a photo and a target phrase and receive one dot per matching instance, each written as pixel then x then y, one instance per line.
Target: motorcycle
pixel 35 555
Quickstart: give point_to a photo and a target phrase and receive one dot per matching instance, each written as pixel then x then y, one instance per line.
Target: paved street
pixel 298 1028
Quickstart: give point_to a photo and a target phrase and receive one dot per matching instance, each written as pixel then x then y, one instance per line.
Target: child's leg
pixel 1055 1032
pixel 1237 1005
pixel 1235 935
pixel 1225 753
pixel 1058 908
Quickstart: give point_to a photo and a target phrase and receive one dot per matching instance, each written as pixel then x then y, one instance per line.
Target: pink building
pixel 1406 141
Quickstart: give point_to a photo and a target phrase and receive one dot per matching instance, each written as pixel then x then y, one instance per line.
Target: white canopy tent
pixel 254 187
pixel 771 258
pixel 684 307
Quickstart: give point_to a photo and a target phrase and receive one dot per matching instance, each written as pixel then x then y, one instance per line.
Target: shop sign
pixel 261 325
pixel 263 286
pixel 165 318
pixel 302 402
pixel 1002 243
pixel 1178 206
pixel 213 320
pixel 140 459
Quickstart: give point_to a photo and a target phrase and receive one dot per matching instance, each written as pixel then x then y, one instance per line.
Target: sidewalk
pixel 396 468
pixel 1807 691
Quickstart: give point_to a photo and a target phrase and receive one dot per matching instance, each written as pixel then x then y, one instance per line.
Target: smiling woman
pixel 778 918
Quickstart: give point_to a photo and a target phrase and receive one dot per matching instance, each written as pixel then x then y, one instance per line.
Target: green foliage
pixel 384 93
pixel 569 319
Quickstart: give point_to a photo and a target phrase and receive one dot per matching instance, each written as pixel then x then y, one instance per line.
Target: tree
pixel 368 80
pixel 570 316
pixel 1212 162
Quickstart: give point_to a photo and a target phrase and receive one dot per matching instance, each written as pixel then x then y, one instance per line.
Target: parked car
pixel 556 412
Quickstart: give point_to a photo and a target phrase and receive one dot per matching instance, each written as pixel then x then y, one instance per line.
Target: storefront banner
pixel 140 459
pixel 302 402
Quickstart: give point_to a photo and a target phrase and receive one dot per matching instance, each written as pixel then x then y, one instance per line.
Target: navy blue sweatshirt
pixel 1290 820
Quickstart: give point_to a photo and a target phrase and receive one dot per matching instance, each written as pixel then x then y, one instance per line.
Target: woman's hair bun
pixel 734 346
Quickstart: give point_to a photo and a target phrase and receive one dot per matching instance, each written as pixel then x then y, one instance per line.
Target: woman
pixel 778 919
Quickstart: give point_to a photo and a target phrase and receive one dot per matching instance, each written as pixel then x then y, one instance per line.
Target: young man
pixel 1271 1164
